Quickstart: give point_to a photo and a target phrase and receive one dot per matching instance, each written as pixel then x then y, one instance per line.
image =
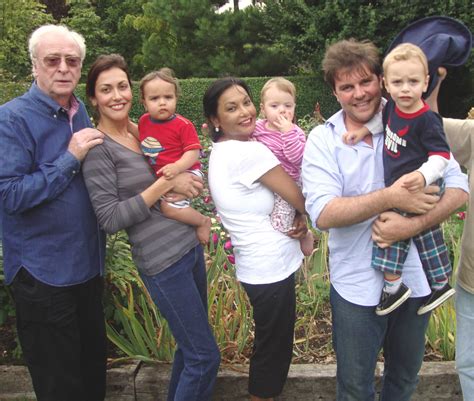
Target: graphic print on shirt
pixel 151 148
pixel 394 140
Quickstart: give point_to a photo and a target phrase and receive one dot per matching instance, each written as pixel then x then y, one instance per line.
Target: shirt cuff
pixel 68 164
pixel 454 178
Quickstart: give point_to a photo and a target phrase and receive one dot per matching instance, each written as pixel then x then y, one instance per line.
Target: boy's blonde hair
pixel 403 52
pixel 165 74
pixel 280 83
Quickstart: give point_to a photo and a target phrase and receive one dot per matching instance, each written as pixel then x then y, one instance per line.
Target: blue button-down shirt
pixel 332 169
pixel 49 226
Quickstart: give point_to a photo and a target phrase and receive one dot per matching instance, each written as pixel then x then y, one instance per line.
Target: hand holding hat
pixel 446 42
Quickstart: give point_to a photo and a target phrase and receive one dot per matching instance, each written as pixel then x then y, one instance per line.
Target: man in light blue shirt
pixel 345 194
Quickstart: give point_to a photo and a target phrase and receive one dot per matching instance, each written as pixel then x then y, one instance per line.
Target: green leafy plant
pixel 230 313
pixel 143 333
pixel 441 332
pixel 133 322
pixel 6 301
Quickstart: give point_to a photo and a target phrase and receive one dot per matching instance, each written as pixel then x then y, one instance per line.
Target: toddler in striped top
pixel 286 140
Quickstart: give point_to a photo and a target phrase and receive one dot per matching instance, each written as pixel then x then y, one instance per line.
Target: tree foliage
pixel 57 8
pixel 303 29
pixel 242 49
pixel 273 37
pixel 83 19
pixel 118 20
pixel 171 29
pixel 18 18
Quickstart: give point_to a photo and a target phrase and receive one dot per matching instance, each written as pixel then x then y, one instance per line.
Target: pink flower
pixel 228 245
pixel 225 266
pixel 461 215
pixel 215 238
pixel 205 129
pixel 207 199
pixel 231 258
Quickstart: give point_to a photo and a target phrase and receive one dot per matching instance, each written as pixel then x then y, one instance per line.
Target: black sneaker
pixel 390 302
pixel 436 298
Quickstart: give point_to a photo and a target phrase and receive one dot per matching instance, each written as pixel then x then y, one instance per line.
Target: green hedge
pixel 310 89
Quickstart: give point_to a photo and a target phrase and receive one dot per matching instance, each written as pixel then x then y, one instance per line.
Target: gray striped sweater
pixel 115 176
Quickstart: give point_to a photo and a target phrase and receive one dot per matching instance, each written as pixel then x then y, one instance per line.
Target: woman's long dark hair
pixel 211 98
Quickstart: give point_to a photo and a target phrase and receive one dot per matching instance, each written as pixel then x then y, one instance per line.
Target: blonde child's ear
pixel 262 113
pixel 384 84
pixel 427 81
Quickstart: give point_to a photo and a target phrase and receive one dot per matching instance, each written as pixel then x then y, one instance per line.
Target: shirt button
pixel 55 116
pixel 74 172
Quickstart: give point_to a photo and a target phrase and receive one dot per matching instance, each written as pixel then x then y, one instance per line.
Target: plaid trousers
pixel 433 253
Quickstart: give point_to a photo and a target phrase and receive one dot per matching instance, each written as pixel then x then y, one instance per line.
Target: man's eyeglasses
pixel 55 61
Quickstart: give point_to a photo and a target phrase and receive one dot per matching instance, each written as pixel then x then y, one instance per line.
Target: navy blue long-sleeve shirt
pixel 410 139
pixel 49 226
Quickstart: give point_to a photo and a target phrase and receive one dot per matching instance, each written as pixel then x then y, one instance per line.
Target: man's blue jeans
pixel 359 335
pixel 180 292
pixel 465 341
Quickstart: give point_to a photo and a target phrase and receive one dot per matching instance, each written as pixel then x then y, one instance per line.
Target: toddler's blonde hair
pixel 280 83
pixel 403 52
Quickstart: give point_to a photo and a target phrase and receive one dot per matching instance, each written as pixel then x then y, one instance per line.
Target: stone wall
pixel 136 381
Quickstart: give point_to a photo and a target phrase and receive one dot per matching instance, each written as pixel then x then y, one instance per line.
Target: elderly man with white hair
pixel 52 246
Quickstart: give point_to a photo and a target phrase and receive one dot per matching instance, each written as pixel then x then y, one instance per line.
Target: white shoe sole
pixel 439 301
pixel 395 305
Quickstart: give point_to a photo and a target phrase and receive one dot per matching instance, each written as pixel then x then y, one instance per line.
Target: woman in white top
pixel 243 177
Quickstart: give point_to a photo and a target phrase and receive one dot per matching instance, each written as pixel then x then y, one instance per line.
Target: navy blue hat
pixel 445 41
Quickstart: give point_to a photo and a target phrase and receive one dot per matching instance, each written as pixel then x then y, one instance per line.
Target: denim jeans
pixel 359 335
pixel 465 341
pixel 180 293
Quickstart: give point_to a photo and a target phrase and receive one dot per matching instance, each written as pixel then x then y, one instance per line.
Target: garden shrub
pixel 310 89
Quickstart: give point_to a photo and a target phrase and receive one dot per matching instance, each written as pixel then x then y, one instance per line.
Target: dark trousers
pixel 274 314
pixel 62 334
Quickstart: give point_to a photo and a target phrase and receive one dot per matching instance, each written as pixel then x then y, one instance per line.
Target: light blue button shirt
pixel 332 169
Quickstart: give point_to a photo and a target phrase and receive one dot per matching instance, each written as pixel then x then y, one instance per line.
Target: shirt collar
pixel 38 95
pixel 155 121
pixel 336 122
pixel 74 107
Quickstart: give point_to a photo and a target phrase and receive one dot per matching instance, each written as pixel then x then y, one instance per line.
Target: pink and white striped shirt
pixel 288 147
